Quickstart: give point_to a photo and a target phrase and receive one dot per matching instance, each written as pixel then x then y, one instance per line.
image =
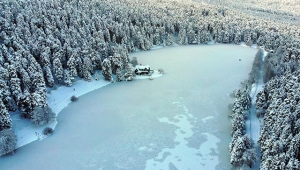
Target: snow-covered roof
pixel 142 67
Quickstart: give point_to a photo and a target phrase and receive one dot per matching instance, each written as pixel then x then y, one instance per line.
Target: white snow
pixel 57 100
pixel 26 131
pixel 142 67
pixel 253 125
pixel 126 124
pixel 243 44
pixel 156 47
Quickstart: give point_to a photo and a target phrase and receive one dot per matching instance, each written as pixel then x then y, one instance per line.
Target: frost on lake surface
pixel 57 100
pixel 179 120
pixel 197 157
pixel 207 118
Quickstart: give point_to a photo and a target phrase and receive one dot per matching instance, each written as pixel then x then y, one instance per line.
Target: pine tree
pixel 42 115
pixel 169 40
pixel 4 73
pixel 96 60
pixel 58 70
pixel 237 153
pixel 128 74
pixel 67 79
pixel 49 77
pixel 220 36
pixel 242 153
pixel 87 69
pixel 15 88
pixel 191 36
pixel 8 141
pixel 226 37
pixel 114 39
pixel 40 90
pixel 238 123
pixel 25 104
pixel 35 99
pixel 45 57
pixel 182 37
pixel 261 103
pixel 5 94
pixel 5 120
pixel 119 74
pixel 72 66
pixel 106 70
pixel 25 79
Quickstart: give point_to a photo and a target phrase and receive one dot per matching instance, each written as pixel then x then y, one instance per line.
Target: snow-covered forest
pixel 279 10
pixel 49 43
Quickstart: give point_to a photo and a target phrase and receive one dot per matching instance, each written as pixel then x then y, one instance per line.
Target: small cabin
pixel 141 69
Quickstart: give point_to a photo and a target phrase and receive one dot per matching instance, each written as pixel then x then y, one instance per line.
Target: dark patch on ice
pixel 145 132
pixel 172 166
pixel 199 154
pixel 196 140
pixel 214 152
pixel 183 132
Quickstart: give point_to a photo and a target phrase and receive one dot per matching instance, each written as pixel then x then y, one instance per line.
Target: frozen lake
pixel 177 121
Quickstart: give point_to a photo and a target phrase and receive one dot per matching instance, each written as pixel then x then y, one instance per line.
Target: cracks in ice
pixel 182 156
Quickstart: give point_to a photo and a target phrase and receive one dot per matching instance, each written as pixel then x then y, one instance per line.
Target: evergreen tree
pixel 106 70
pixel 67 79
pixel 169 40
pixel 5 120
pixel 8 141
pixel 15 88
pixel 40 90
pixel 116 62
pixel 72 67
pixel 5 94
pixel 25 79
pixel 58 70
pixel 4 73
pixel 128 74
pixel 25 104
pixel 49 77
pixel 42 115
pixel 87 69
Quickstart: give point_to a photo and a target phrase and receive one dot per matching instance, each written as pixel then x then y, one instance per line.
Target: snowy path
pixel 253 123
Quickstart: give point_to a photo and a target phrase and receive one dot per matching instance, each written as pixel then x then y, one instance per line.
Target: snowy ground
pixel 178 121
pixel 253 125
pixel 57 100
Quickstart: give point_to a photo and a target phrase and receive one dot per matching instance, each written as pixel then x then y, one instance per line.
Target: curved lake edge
pixel 159 63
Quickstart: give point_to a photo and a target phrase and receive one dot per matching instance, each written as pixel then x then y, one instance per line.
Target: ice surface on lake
pixel 207 118
pixel 149 123
pixel 182 156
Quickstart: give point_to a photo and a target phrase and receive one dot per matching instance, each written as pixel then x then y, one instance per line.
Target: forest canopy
pixel 48 43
